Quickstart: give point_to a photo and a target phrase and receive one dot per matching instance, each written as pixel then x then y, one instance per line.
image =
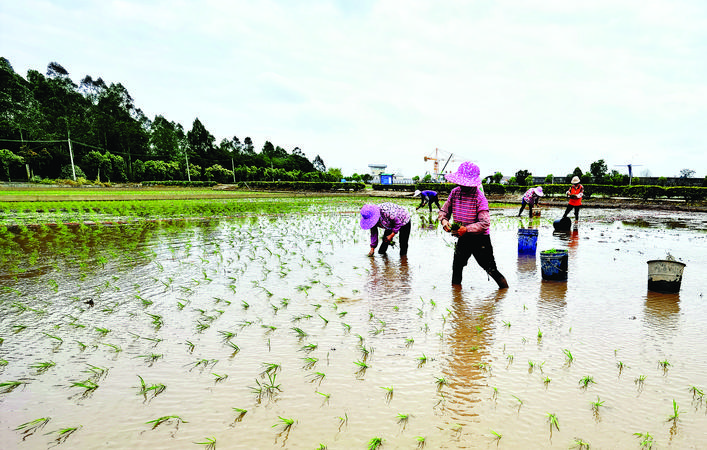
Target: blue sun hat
pixel 369 216
pixel 468 174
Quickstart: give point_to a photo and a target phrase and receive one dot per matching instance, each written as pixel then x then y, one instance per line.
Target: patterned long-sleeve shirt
pixel 393 217
pixel 468 208
pixel 531 197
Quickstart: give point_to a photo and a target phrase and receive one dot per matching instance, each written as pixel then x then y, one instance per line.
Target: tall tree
pixel 319 164
pixel 598 170
pixel 201 145
pixel 521 176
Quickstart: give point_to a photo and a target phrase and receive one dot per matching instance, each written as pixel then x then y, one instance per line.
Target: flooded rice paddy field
pixel 277 331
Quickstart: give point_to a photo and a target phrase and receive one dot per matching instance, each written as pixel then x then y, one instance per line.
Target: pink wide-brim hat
pixel 369 216
pixel 468 174
pixel 539 191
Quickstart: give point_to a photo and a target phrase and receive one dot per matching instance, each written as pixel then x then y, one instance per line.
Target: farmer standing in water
pixel 468 206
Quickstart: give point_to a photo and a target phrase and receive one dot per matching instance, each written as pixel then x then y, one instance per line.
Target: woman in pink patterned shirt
pixel 393 219
pixel 468 206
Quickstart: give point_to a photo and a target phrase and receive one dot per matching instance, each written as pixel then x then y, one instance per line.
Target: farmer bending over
pixel 428 197
pixel 393 219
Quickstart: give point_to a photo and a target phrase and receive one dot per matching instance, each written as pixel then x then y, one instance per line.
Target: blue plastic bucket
pixel 527 240
pixel 554 265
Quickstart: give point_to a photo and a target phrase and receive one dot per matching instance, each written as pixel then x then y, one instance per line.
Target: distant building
pixel 377 169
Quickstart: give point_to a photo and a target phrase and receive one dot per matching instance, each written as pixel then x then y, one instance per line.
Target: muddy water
pixel 399 353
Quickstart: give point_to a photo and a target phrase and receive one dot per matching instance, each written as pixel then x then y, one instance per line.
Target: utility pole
pixel 186 156
pixel 233 169
pixel 71 152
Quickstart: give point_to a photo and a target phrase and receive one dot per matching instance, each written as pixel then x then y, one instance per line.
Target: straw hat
pixel 575 179
pixel 468 174
pixel 539 191
pixel 369 216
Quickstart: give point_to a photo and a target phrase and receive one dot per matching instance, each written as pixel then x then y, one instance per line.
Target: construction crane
pixel 436 159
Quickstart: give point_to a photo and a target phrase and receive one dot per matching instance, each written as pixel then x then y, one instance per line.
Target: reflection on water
pixel 570 238
pixel 553 297
pixel 662 311
pixel 469 360
pixel 527 266
pixel 388 277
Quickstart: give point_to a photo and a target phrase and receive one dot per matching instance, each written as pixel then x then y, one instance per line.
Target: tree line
pixel 47 121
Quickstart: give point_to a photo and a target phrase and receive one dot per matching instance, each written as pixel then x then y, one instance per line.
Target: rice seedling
pixel 116 348
pixel 203 363
pixel 9 386
pixel 269 328
pixel 64 433
pixel 375 443
pixel 347 327
pixel 209 443
pixel 585 381
pixel 520 402
pixel 219 378
pixel 3 362
pixel 43 366
pixel 151 358
pixel 56 338
pixel 362 367
pixel 597 404
pixel 546 381
pixel 326 396
pixel 506 324
pixel 308 348
pixel 89 386
pixel 403 419
pixel 235 348
pixel 676 413
pixel 441 382
pixel 696 392
pixel 270 368
pixel 318 377
pixel 96 372
pixel 496 436
pixel 309 362
pixel 157 321
pixel 540 335
pixel 646 440
pixel 388 393
pixel 160 420
pixel 580 444
pixel 421 360
pixel 365 352
pixel 31 427
pixel 285 422
pixel 301 334
pixel 154 389
pixel 621 366
pixel 322 447
pixel 639 380
pixel 664 365
pixel 240 414
pixel 409 342
pixel 569 358
pixel 552 419
pixel 102 331
pixel 190 346
pixel 421 442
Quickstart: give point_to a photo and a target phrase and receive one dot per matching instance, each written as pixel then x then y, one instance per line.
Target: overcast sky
pixel 545 85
